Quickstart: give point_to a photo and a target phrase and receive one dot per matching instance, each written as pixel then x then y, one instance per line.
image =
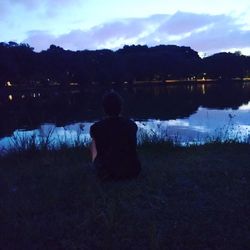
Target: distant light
pixel 23 96
pixel 10 97
pixel 74 84
pixel 9 84
pixel 55 83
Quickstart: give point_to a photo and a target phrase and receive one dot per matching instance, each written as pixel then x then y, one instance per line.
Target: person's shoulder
pixel 93 126
pixel 96 127
pixel 97 124
pixel 129 122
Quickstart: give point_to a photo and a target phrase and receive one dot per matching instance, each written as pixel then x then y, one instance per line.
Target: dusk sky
pixel 206 26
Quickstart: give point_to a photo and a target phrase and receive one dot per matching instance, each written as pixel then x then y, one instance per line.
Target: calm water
pixel 188 113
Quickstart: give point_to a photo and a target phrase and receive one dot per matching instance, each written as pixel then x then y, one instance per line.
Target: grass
pixel 185 198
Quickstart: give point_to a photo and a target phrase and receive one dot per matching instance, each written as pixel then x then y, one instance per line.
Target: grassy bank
pixel 185 198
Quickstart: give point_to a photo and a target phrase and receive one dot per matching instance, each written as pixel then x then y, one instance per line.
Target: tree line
pixel 20 64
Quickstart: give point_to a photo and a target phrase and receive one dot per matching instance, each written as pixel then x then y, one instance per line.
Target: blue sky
pixel 207 26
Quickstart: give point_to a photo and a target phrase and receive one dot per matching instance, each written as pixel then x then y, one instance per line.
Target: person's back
pixel 115 141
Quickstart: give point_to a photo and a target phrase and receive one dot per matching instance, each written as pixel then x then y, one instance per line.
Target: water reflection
pixel 168 103
pixel 245 107
pixel 205 124
pixel 203 89
pixel 199 127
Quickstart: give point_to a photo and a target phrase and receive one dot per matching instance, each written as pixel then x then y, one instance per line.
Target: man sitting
pixel 114 142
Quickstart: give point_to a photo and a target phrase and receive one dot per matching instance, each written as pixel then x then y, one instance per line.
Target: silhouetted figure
pixel 114 142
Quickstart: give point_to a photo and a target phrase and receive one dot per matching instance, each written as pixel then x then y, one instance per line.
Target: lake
pixel 186 113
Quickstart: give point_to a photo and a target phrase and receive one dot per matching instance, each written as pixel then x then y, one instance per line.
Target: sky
pixel 207 26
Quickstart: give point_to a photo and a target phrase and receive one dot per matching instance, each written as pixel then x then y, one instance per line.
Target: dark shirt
pixel 115 139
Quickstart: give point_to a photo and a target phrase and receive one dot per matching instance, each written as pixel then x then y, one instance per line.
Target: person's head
pixel 112 103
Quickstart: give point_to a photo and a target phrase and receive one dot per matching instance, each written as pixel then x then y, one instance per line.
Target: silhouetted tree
pixel 19 63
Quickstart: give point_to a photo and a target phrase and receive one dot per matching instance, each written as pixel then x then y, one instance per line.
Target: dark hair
pixel 112 103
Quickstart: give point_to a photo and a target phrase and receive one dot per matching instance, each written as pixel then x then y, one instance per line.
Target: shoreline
pixel 15 89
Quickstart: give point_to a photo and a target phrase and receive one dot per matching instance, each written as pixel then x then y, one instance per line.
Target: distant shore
pixel 74 86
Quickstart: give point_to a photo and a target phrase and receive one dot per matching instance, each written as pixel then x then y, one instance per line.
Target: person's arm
pixel 93 150
pixel 92 147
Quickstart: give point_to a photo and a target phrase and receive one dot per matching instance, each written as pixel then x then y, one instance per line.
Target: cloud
pixel 3 10
pixel 218 39
pixel 98 36
pixel 182 22
pixel 222 33
pixel 202 32
pixel 126 29
pixel 40 40
pixel 76 40
pixel 33 4
pixel 50 8
pixel 26 3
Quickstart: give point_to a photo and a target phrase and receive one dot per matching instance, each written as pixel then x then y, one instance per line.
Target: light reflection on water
pixel 201 126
